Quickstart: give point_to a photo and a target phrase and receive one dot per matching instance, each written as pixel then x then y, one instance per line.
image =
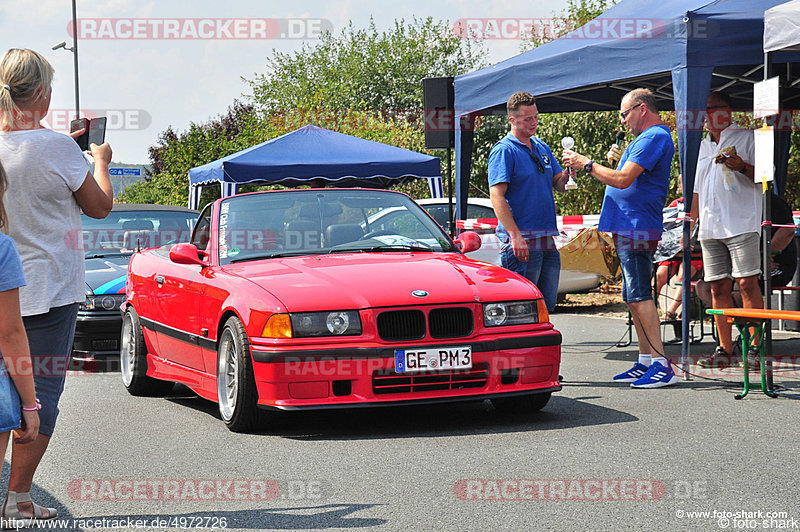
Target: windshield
pixel 300 222
pixel 124 231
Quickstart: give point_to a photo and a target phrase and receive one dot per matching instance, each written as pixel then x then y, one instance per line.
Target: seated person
pixel 667 270
pixel 669 246
pixel 783 246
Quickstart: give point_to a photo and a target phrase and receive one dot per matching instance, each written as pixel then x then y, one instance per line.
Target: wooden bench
pixel 756 318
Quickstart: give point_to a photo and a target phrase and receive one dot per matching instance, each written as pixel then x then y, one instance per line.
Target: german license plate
pixel 433 359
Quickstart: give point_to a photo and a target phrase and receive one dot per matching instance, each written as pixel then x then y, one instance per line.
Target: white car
pixel 481 219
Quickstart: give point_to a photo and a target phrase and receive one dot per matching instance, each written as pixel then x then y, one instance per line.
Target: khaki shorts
pixel 735 257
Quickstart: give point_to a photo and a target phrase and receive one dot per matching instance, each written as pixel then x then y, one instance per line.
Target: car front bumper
pixel 97 338
pixel 366 376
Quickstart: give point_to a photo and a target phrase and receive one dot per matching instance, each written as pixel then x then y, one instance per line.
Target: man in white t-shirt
pixel 729 206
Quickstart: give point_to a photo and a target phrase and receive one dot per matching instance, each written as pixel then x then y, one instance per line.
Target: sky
pixel 140 65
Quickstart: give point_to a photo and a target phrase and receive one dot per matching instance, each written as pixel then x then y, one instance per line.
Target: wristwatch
pixel 588 167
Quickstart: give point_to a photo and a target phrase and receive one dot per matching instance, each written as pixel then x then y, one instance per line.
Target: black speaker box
pixel 439 115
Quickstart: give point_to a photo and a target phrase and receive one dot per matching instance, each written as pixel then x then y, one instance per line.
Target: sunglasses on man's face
pixel 624 114
pixel 539 164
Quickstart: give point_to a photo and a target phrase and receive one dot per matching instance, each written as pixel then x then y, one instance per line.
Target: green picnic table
pixel 755 318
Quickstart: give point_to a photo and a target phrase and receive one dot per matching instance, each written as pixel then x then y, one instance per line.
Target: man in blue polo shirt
pixel 522 175
pixel 635 195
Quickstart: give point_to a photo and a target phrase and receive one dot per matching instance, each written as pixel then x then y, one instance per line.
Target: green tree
pixel 365 69
pixel 378 73
pixel 175 153
pixel 792 194
pixel 591 130
pixel 576 14
pixel 360 82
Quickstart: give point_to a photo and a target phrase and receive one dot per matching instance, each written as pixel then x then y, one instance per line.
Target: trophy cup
pixel 567 143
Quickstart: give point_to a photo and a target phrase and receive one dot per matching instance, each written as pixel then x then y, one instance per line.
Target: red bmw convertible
pixel 310 299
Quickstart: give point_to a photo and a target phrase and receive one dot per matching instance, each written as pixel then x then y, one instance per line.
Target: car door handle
pixel 159 280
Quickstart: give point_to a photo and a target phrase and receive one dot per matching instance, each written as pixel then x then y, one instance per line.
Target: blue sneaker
pixel 633 374
pixel 657 376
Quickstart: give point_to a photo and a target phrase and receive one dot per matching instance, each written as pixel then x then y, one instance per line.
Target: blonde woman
pixel 49 183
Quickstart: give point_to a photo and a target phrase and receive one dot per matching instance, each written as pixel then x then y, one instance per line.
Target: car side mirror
pixel 185 253
pixel 468 241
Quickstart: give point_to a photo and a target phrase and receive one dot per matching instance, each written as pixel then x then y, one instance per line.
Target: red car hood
pixel 366 280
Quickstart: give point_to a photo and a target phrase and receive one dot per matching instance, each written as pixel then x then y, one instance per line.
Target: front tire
pixel 133 360
pixel 236 385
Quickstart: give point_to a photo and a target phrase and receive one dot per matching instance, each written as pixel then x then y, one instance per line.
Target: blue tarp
pixel 312 152
pixel 680 49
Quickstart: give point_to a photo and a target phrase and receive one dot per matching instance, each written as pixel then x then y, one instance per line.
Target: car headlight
pixel 514 313
pixel 330 323
pixel 103 302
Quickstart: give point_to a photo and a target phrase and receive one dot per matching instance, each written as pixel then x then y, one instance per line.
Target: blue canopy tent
pixel 312 153
pixel 680 49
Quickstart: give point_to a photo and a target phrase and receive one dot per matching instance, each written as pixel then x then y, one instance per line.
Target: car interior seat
pixel 138 234
pixel 336 234
pixel 302 234
pixel 137 225
pixel 172 231
pixel 305 232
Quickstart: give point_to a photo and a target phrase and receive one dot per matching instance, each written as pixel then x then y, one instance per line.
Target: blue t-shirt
pixel 11 275
pixel 530 190
pixel 635 212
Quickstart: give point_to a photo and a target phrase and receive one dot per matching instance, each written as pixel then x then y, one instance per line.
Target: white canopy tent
pixel 782 27
pixel 781 34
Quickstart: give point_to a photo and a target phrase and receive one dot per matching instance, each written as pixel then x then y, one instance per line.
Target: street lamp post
pixel 74 50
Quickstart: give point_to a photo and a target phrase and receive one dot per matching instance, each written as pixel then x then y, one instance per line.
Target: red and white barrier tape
pixel 562 222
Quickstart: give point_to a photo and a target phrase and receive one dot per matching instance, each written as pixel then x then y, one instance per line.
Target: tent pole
pixel 465 140
pixel 691 86
pixel 766 236
pixel 451 223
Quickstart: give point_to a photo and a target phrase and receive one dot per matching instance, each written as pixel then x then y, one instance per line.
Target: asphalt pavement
pixel 600 456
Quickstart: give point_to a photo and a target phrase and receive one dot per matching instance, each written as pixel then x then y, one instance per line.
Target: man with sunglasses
pixel 728 203
pixel 522 175
pixel 636 192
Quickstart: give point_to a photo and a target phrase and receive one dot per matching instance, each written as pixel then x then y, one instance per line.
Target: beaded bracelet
pixel 33 408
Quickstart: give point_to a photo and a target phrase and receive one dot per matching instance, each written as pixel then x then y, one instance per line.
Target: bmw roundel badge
pixel 419 293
